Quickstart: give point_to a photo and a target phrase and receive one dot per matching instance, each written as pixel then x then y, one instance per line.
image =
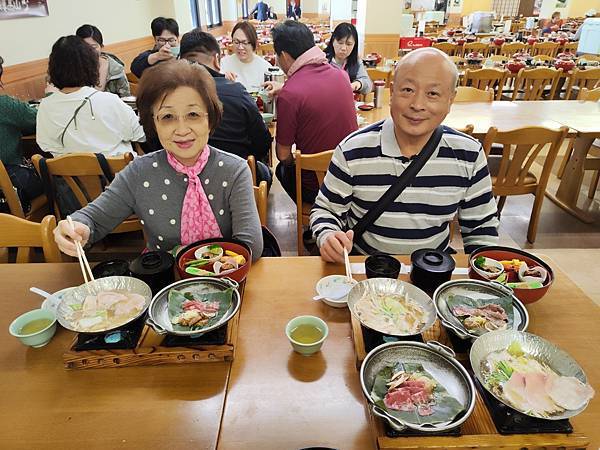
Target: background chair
pixel 378 74
pixel 479 47
pixel 533 83
pixel 38 204
pixel 265 49
pixel 318 163
pixel 544 48
pixel 84 176
pixel 486 79
pixel 511 172
pixel 589 95
pixel 579 79
pixel 510 48
pixel 471 94
pixel 448 48
pixel 544 58
pixel 261 197
pixel 251 160
pixel 25 235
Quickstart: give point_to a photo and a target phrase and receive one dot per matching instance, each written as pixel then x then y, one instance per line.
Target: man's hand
pixel 230 76
pixel 332 249
pixel 163 54
pixel 272 87
pixel 356 86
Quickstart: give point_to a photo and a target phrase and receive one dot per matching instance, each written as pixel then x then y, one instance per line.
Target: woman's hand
pixel 230 76
pixel 65 236
pixel 272 87
pixel 356 86
pixel 332 249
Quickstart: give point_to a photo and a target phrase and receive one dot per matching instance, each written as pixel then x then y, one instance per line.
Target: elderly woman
pixel 111 69
pixel 79 118
pixel 187 192
pixel 245 66
pixel 342 52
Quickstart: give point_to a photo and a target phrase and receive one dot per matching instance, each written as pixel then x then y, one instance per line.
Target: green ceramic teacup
pixel 306 348
pixel 39 338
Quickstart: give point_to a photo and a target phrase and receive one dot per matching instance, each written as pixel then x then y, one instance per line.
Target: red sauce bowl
pixel 239 247
pixel 500 253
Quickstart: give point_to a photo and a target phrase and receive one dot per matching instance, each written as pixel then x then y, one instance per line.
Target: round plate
pixel 332 285
pixel 52 303
pixel 365 107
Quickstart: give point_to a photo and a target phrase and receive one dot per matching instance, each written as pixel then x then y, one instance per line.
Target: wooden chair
pixel 544 48
pixel 521 147
pixel 485 79
pixel 499 58
pixel 261 198
pixel 579 79
pixel 318 163
pixel 510 48
pixel 251 160
pixel 589 95
pixel 471 94
pixel 132 78
pixel 265 49
pixel 458 60
pixel 25 235
pixel 133 88
pixel 588 57
pixel 447 47
pixel 38 204
pixel 533 82
pixel 83 175
pixel 377 74
pixel 570 47
pixel 480 47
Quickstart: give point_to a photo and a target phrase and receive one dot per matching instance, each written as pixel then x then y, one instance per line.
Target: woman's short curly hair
pixel 162 79
pixel 73 63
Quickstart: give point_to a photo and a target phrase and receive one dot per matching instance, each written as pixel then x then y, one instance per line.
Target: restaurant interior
pixel 287 324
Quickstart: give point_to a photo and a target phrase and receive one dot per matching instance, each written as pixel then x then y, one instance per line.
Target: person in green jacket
pixel 17 118
pixel 112 70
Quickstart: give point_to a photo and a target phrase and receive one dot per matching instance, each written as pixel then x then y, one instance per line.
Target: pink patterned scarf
pixel 197 219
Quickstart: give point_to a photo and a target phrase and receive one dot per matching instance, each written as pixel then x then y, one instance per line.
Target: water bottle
pixel 379 86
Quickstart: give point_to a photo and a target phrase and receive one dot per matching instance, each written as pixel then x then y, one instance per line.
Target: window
pixel 194 10
pixel 213 13
pixel 506 8
pixel 245 9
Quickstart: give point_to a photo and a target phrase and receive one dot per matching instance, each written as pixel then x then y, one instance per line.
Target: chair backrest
pixel 251 160
pixel 590 96
pixel 510 48
pixel 486 79
pixel 476 47
pixel 533 82
pixel 580 79
pixel 471 94
pixel 544 48
pixel 499 58
pixel 133 87
pixel 317 163
pixel 265 49
pixel 521 147
pixel 589 57
pixel 458 60
pixel 25 235
pixel 82 173
pixel 132 78
pixel 10 194
pixel 447 47
pixel 377 74
pixel 571 47
pixel 261 196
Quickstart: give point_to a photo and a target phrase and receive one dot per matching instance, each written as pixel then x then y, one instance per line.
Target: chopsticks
pixel 83 262
pixel 348 268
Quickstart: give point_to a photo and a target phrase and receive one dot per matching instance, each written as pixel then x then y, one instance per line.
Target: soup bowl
pixel 38 338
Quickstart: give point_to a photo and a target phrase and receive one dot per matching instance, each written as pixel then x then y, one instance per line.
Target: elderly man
pixel 365 165
pixel 315 106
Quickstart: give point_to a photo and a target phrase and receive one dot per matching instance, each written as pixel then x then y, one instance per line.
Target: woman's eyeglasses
pixel 237 43
pixel 191 118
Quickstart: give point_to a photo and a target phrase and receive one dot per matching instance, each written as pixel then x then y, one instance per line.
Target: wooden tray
pixel 478 431
pixel 150 352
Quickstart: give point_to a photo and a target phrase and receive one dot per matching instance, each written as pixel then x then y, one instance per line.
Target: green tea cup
pixel 306 349
pixel 38 338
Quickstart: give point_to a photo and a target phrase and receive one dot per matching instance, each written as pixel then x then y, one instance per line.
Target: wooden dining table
pixel 268 398
pixel 582 119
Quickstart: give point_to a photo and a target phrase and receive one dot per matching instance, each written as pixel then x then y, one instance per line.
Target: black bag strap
pixel 405 179
pixel 48 185
pixel 105 167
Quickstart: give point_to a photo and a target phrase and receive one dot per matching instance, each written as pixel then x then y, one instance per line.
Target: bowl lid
pixel 152 263
pixel 432 260
pixel 110 268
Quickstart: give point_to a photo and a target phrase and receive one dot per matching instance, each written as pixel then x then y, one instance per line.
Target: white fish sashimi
pixel 569 392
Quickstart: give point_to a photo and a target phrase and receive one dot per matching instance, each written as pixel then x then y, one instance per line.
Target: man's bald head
pixel 432 58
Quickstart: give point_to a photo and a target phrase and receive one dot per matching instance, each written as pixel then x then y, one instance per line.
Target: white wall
pixel 549 6
pixel 27 39
pixel 229 10
pixel 310 6
pixel 341 10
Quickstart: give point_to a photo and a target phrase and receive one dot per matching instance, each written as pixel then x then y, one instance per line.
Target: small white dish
pixel 334 290
pixel 541 273
pixel 54 300
pixel 216 256
pixel 491 263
